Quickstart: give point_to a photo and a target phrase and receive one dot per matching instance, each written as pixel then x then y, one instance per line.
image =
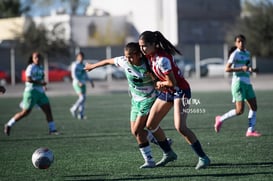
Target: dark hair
pixel 160 41
pixel 81 54
pixel 241 37
pixel 30 60
pixel 134 48
pixel 231 49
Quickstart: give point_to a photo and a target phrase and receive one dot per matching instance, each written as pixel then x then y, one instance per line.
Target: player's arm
pixel 168 83
pixel 89 66
pixel 244 68
pixel 37 82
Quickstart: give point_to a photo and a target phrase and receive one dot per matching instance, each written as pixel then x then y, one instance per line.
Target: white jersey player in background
pixel 34 94
pixel 79 77
pixel 242 90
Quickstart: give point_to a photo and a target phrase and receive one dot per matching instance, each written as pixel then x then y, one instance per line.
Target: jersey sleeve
pixel 28 71
pixel 120 61
pixel 165 65
pixel 231 58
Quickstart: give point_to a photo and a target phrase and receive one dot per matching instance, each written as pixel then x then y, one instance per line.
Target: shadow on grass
pixel 97 177
pixel 93 177
pixel 232 165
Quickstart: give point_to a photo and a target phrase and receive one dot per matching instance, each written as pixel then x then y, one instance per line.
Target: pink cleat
pixel 253 134
pixel 218 124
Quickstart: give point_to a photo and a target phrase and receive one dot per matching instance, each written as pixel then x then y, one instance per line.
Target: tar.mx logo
pixel 186 101
pixel 195 106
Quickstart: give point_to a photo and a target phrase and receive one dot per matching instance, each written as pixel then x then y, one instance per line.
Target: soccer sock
pixel 165 146
pixel 146 151
pixel 228 115
pixel 251 120
pixel 11 122
pixel 198 149
pixel 51 126
pixel 151 137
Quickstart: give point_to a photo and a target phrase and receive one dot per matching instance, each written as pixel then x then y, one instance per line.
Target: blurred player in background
pixel 79 77
pixel 34 93
pixel 174 92
pixel 141 85
pixel 242 90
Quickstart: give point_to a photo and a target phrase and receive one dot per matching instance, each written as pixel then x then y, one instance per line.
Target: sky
pixel 59 4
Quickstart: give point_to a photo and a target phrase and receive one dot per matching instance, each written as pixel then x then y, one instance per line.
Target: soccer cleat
pixel 218 124
pixel 73 113
pixel 54 132
pixel 202 163
pixel 7 129
pixel 253 134
pixel 167 157
pixel 80 117
pixel 148 164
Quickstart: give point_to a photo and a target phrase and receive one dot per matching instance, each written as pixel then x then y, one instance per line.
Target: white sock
pixel 151 138
pixel 147 153
pixel 11 122
pixel 228 115
pixel 51 126
pixel 251 120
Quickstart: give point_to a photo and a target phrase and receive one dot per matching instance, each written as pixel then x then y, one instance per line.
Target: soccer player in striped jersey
pixel 242 90
pixel 34 94
pixel 173 90
pixel 79 78
pixel 141 86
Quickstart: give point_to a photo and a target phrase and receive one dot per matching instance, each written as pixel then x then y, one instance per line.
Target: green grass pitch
pixel 102 147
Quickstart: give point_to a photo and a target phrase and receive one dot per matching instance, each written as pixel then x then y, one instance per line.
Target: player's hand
pixel 245 68
pixel 88 67
pixel 256 70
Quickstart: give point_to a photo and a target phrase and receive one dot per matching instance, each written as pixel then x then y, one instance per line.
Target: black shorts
pixel 169 97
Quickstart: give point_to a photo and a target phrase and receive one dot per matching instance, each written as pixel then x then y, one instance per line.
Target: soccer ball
pixel 42 158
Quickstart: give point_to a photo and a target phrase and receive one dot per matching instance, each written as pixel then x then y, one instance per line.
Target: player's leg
pixel 252 104
pixel 75 106
pixel 46 108
pixel 180 122
pixel 238 96
pixel 81 108
pixel 158 111
pixel 138 123
pixel 28 102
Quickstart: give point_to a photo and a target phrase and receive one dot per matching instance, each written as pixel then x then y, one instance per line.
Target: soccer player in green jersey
pixel 141 85
pixel 79 77
pixel 242 90
pixel 34 94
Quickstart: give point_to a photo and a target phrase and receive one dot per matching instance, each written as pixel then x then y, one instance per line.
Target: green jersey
pixel 239 58
pixel 140 82
pixel 78 73
pixel 36 72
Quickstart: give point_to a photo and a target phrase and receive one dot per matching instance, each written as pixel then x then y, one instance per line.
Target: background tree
pixel 12 8
pixel 38 38
pixel 256 23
